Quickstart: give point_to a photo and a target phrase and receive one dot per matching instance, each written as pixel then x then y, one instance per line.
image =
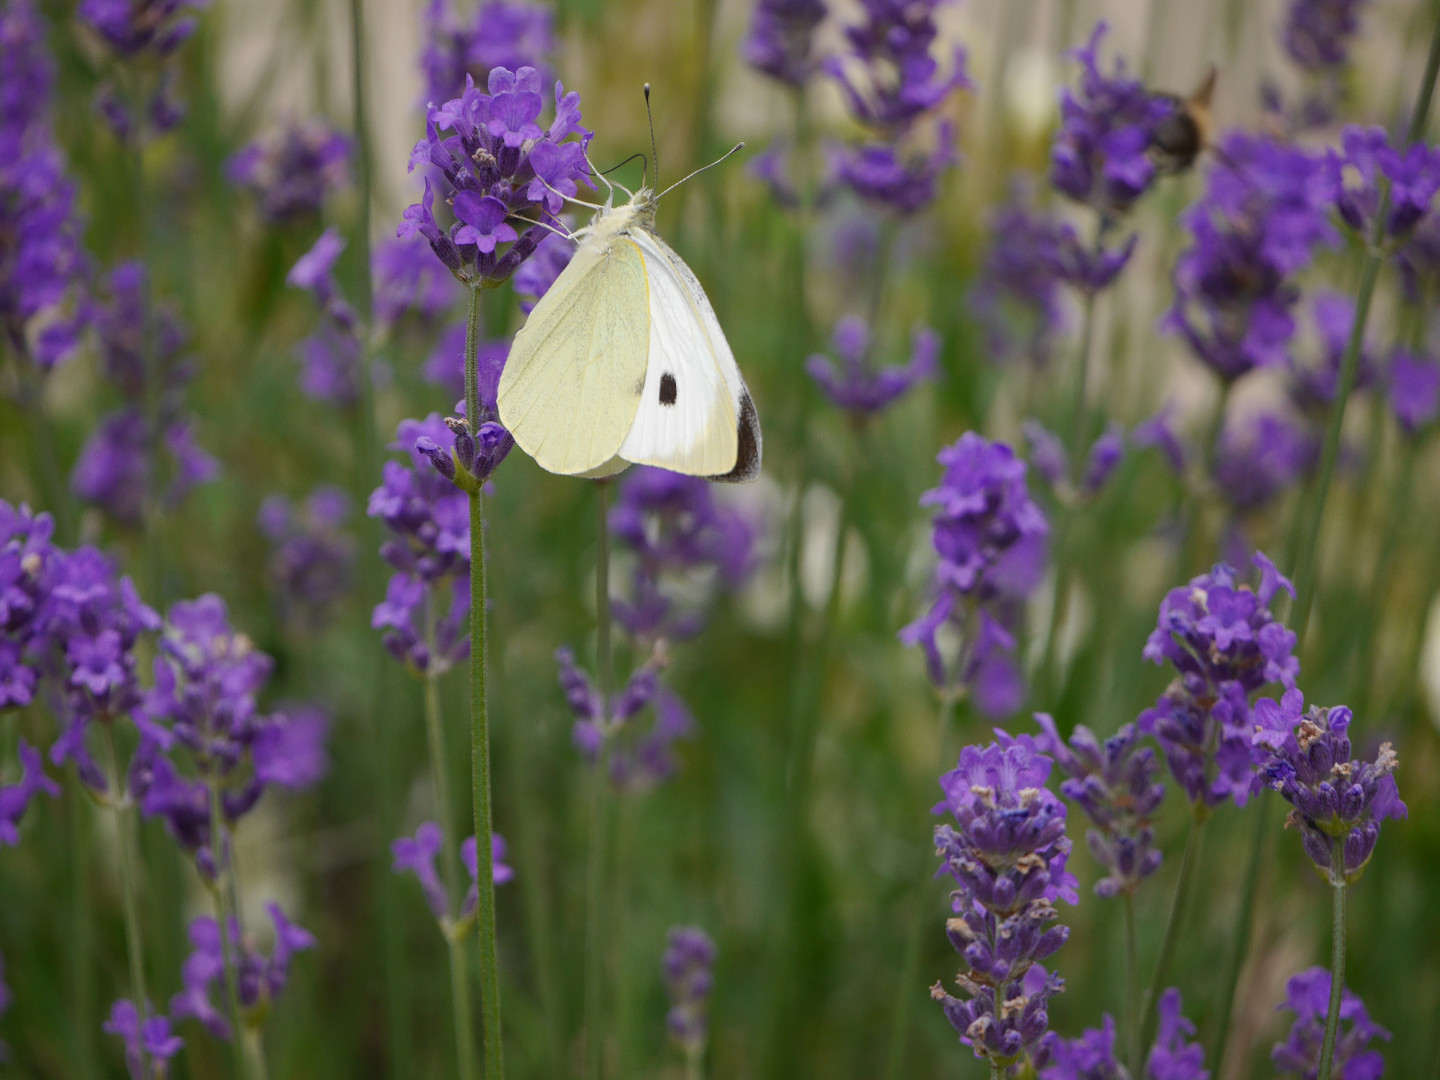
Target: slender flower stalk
pixel 1261 827
pixel 1337 960
pixel 220 889
pixel 124 810
pixel 595 855
pixel 490 1030
pixel 1183 884
pixel 1132 980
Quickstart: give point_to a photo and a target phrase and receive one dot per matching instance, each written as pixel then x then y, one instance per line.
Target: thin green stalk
pixel 996 1072
pixel 1076 429
pixel 1337 957
pixel 220 850
pixel 1192 513
pixel 1148 1015
pixel 695 1063
pixel 595 854
pixel 1401 507
pixel 1261 831
pixel 490 1030
pixel 254 1050
pixel 449 866
pixel 124 811
pixel 82 1039
pixel 1132 983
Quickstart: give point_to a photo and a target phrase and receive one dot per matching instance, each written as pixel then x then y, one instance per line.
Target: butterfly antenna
pixel 621 165
pixel 654 153
pixel 724 157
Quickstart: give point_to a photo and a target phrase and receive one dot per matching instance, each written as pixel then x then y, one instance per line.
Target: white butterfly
pixel 623 361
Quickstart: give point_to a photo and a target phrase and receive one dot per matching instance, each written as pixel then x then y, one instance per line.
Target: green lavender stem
pixel 595 853
pixel 1337 954
pixel 254 1051
pixel 1148 1015
pixel 1261 825
pixel 220 850
pixel 449 864
pixel 490 1031
pixel 1132 982
pixel 695 1063
pixel 124 811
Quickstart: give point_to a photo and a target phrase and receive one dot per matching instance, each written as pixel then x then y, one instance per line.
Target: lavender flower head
pixel 1307 995
pixel 417 854
pixel 1336 802
pixel 1354 175
pixel 1224 644
pixel 144 34
pixel 1262 217
pixel 292 170
pixel 688 546
pixel 41 261
pixel 1017 296
pixel 1101 156
pixel 689 976
pixel 857 388
pixel 497 166
pixel 26 557
pixel 15 798
pixel 406 278
pixel 1414 385
pixel 148 1039
pixel 311 558
pixel 1317 33
pixel 1259 457
pixel 330 358
pixel 1050 460
pixel 1114 783
pixel 991 540
pixel 499 35
pixel 1092 1055
pixel 1313 386
pixel 781 41
pixel 1007 855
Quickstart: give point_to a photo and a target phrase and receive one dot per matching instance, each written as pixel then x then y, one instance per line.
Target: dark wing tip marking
pixel 667 389
pixel 747 455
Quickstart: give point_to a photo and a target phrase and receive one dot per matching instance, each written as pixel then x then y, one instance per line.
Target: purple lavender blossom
pixel 26 557
pixel 1158 432
pixel 905 182
pixel 499 35
pixel 1354 175
pixel 1414 385
pixel 144 34
pixel 41 261
pixel 1313 386
pixel 312 559
pixel 1307 995
pixel 855 387
pixel 260 979
pixel 689 965
pixel 781 41
pixel 15 798
pixel 1092 1055
pixel 416 855
pixel 150 1039
pixel 1017 296
pixel 538 273
pixel 292 170
pixel 1087 268
pixel 1305 755
pixel 330 358
pixel 407 279
pixel 1049 459
pixel 497 161
pixel 991 539
pixel 1317 33
pixel 1114 784
pixel 445 366
pixel 1224 644
pixel 1260 221
pixel 1260 456
pixel 683 539
pixel 1008 857
pixel 1101 154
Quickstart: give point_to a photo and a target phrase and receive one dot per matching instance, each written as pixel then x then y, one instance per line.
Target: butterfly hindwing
pixel 695 415
pixel 573 381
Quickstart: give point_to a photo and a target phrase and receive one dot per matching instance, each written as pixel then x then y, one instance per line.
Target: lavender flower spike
pixel 689 975
pixel 151 1039
pixel 1305 755
pixel 781 39
pixel 1092 1055
pixel 1307 995
pixel 14 798
pixel 858 389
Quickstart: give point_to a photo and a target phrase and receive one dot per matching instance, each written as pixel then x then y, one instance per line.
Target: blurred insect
pixel 623 360
pixel 1179 139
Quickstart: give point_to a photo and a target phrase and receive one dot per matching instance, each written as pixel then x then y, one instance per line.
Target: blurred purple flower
pixel 689 965
pixel 1317 33
pixel 260 980
pixel 1354 174
pixel 1224 644
pixel 26 560
pixel 15 798
pixel 1017 296
pixel 416 855
pixel 856 387
pixel 1313 386
pixel 1307 995
pixel 1261 456
pixel 311 558
pixel 1114 783
pixel 1007 855
pixel 498 35
pixel 904 181
pixel 408 279
pixel 42 264
pixel 538 273
pixel 1305 755
pixel 1101 153
pixel 1092 1056
pixel 1414 385
pixel 991 539
pixel 149 1040
pixel 1159 432
pixel 144 33
pixel 291 170
pixel 1259 222
pixel 495 169
pixel 782 39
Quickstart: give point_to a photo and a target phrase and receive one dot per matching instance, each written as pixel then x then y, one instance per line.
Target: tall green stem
pixel 124 811
pixel 490 1031
pixel 1183 883
pixel 1337 956
pixel 595 853
pixel 1076 430
pixel 1261 825
pixel 220 851
pixel 449 863
pixel 1132 983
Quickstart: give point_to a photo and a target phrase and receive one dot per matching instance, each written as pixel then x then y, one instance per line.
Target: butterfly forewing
pixel 575 373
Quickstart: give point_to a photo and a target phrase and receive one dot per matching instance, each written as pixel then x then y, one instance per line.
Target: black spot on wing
pixel 639 387
pixel 747 456
pixel 667 389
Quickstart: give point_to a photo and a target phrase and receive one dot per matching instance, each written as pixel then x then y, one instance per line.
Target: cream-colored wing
pixel 695 414
pixel 573 379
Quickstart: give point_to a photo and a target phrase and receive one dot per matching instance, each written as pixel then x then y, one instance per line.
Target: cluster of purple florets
pixel 145 35
pixel 498 35
pixel 1307 995
pixel 417 855
pixel 861 389
pixel 992 541
pixel 1092 1055
pixel 1007 853
pixel 689 965
pixel 311 556
pixel 292 170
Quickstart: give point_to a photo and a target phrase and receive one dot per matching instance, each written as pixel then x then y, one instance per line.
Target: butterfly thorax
pixel 613 221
